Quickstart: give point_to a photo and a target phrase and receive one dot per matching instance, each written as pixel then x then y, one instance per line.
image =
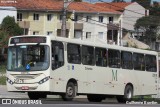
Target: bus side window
pixel 88 55
pixel 74 53
pixel 114 58
pixel 101 57
pixel 57 54
pixel 151 63
pixel 138 61
pixel 126 60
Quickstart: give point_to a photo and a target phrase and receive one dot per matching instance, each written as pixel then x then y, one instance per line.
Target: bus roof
pixel 95 43
pixel 104 45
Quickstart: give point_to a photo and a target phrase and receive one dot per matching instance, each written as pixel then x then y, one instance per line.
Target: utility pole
pixel 120 37
pixel 63 27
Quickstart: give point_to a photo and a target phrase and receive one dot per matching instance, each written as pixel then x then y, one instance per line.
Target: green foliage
pixel 2 68
pixel 4 38
pixel 3 80
pixel 9 28
pixel 155 9
pixel 2 72
pixel 144 3
pixel 150 26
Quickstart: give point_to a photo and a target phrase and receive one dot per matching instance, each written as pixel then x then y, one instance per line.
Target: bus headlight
pixel 9 81
pixel 44 80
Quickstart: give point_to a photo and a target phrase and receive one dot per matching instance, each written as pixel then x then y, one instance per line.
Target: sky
pixel 112 0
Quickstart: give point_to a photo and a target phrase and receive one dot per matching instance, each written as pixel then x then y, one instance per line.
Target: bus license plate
pixel 25 88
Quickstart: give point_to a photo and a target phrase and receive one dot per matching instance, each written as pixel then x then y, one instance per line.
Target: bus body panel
pixel 90 79
pixel 28 80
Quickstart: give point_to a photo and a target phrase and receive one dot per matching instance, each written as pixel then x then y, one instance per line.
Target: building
pixel 130 13
pixel 84 20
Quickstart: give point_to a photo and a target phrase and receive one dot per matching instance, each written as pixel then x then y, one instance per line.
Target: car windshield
pixel 28 58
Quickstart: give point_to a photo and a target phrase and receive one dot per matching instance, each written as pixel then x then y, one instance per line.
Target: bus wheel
pixel 33 95
pixel 128 94
pixel 70 92
pixel 95 98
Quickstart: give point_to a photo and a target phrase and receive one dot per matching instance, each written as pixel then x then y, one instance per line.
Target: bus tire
pixel 95 98
pixel 70 92
pixel 128 95
pixel 33 95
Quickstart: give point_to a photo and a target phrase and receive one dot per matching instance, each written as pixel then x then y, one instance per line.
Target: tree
pixel 144 3
pixel 8 28
pixel 149 25
pixel 155 9
pixel 118 1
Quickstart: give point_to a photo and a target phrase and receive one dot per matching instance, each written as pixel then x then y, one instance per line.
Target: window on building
pixel 49 33
pixel 126 60
pixel 19 16
pixel 76 17
pixel 100 35
pixel 101 19
pixel 57 54
pixel 35 16
pixel 60 17
pixel 111 19
pixel 49 17
pixel 35 33
pixel 88 35
pixel 74 53
pixel 101 57
pixel 58 32
pixel 88 55
pixel 138 61
pixel 151 63
pixel 78 34
pixel 114 58
pixel 88 19
pixel 25 31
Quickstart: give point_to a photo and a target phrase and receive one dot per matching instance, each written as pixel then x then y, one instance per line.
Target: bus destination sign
pixel 28 40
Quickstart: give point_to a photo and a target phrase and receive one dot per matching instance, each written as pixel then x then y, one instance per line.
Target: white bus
pixel 43 65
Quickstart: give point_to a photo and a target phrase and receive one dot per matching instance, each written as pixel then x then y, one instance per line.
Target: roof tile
pixel 118 6
pixel 55 5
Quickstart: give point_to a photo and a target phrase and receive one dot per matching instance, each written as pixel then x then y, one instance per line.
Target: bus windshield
pixel 28 58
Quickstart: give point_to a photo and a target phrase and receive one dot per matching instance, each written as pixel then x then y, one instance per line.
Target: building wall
pixel 36 25
pixel 129 17
pixel 95 27
pixel 43 26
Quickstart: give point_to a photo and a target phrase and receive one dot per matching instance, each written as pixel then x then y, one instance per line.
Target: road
pixel 54 101
pixel 5 94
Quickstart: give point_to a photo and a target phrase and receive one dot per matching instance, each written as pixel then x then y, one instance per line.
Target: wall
pixel 129 17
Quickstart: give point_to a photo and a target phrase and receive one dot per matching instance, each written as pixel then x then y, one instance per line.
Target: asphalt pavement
pixel 5 94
